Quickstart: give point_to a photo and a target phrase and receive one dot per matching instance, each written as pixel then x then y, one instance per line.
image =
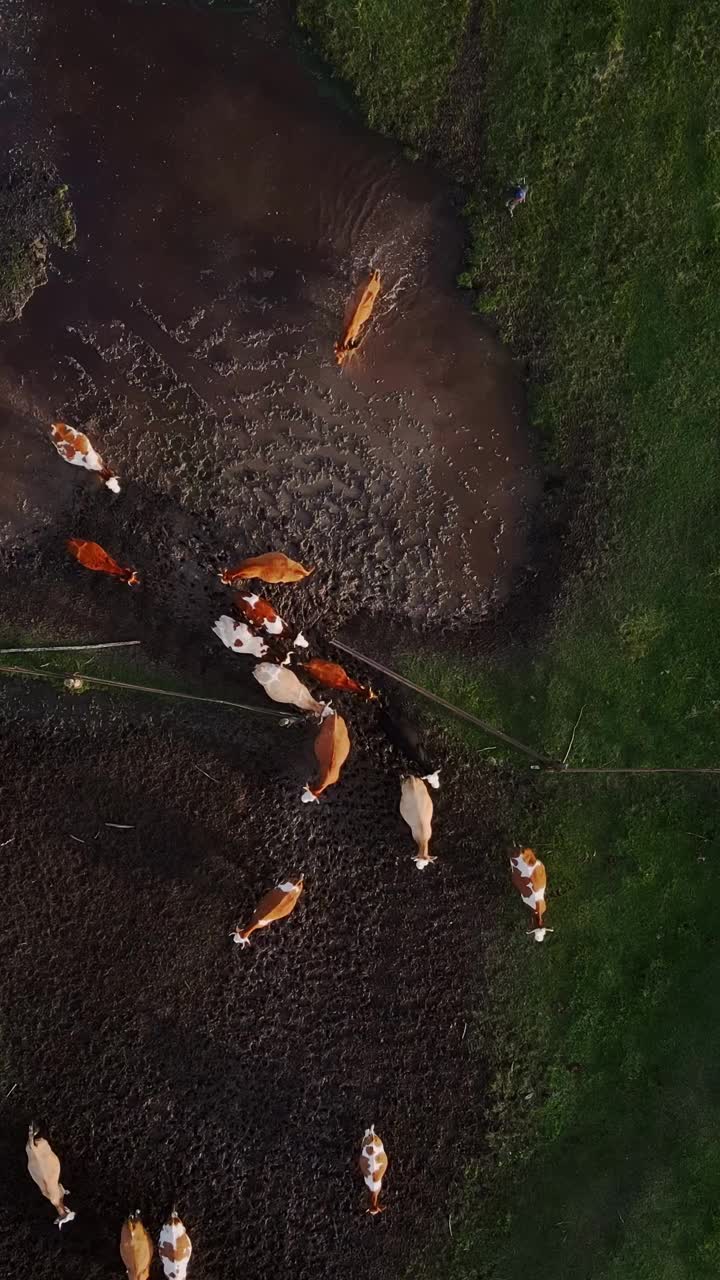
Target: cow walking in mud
pixel 44 1169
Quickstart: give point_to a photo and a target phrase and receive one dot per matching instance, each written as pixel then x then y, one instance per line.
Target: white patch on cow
pixel 327 711
pixel 307 796
pixel 66 1217
pixel 273 627
pixel 251 600
pixel 301 641
pixel 238 938
pixel 539 934
pixel 238 637
pixel 524 868
pixel 287 886
pixel 113 483
pixel 433 779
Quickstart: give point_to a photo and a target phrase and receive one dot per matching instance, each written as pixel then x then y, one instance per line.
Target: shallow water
pixel 227 212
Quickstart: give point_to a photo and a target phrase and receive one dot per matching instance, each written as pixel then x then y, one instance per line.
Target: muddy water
pixel 227 213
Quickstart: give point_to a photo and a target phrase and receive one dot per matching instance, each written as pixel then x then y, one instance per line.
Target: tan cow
pixel 275 905
pixel 373 1166
pixel 76 449
pixel 136 1248
pixel 44 1169
pixel 416 807
pixel 174 1248
pixel 282 685
pixel 272 566
pixel 332 748
pixel 350 340
pixel 528 876
pixel 238 637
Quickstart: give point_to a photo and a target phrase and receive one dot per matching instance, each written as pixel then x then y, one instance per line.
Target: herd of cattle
pixel 258 633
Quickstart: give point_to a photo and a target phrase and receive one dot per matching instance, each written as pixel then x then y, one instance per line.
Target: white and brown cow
pixel 528 876
pixel 174 1248
pixel 373 1165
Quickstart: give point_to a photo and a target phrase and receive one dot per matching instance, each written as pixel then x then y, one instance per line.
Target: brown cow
pixel 174 1247
pixel 76 449
pixel 92 556
pixel 44 1169
pixel 333 676
pixel 528 876
pixel 332 748
pixel 272 566
pixel 350 340
pixel 373 1166
pixel 275 905
pixel 136 1248
pixel 416 807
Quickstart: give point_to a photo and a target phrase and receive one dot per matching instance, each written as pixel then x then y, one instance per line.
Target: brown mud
pixel 227 213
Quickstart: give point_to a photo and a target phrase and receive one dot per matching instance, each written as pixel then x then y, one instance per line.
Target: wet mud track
pixel 226 214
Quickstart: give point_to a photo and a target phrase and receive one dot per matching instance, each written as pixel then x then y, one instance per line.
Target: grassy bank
pixel 35 214
pixel 605 1041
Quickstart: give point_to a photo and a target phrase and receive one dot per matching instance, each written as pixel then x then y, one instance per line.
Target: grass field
pixel 605 1160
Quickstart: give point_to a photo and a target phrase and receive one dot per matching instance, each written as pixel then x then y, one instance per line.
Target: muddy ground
pixel 226 212
pixel 168 1063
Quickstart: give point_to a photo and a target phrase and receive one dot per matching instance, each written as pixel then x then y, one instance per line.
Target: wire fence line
pixel 70 648
pixel 284 716
pixel 549 765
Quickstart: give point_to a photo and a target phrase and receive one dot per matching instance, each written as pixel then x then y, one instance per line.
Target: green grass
pixel 397 54
pixel 35 213
pixel 604 1159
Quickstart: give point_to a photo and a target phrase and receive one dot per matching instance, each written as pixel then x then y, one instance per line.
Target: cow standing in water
pixel 44 1169
pixel 351 338
pixel 528 876
pixel 373 1166
pixel 416 807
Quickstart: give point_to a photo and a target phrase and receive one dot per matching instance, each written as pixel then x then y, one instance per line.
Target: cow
pixel 238 637
pixel 260 613
pixel 92 556
pixel 332 748
pixel 76 449
pixel 416 807
pixel 275 905
pixel 405 737
pixel 271 566
pixel 351 338
pixel 136 1247
pixel 282 685
pixel 44 1169
pixel 528 877
pixel 174 1248
pixel 333 676
pixel 373 1166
